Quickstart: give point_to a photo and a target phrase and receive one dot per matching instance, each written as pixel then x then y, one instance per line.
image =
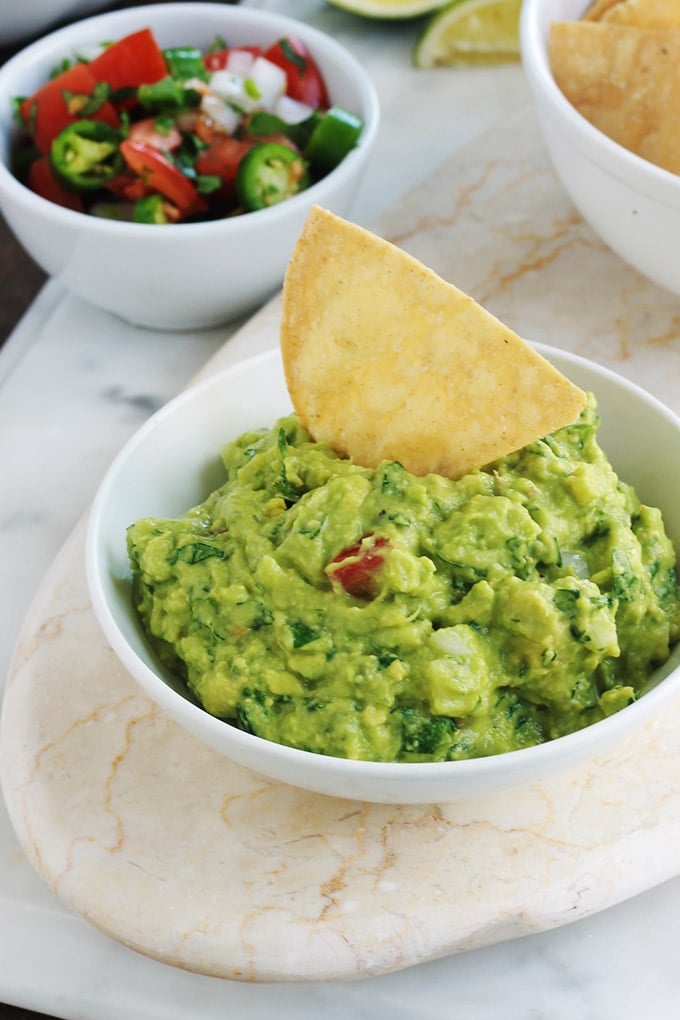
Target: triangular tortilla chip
pixel 625 81
pixel 384 360
pixel 642 13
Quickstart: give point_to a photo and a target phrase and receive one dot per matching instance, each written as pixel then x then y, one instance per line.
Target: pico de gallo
pixel 142 134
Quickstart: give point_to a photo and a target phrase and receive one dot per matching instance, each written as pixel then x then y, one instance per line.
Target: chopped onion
pixel 221 113
pixel 240 62
pixel 233 90
pixel 575 563
pixel 268 81
pixel 292 111
pixel 451 641
pixel 197 85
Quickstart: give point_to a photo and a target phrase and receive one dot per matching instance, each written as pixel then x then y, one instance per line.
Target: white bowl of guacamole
pixel 373 635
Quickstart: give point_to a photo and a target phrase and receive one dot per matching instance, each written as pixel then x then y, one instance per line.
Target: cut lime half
pixel 389 8
pixel 471 32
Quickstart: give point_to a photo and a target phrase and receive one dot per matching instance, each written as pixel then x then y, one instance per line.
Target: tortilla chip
pixel 641 13
pixel 384 360
pixel 625 81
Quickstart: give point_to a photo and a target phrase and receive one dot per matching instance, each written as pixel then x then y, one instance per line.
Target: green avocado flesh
pixel 370 614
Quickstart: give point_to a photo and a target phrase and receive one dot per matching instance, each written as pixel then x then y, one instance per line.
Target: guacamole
pixel 372 614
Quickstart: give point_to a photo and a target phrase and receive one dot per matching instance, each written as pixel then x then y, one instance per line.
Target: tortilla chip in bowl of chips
pixel 603 74
pixel 405 556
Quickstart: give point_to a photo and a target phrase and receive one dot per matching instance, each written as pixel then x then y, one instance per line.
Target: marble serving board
pixel 181 855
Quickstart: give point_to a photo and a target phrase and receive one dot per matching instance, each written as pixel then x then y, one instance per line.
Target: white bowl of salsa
pixel 168 245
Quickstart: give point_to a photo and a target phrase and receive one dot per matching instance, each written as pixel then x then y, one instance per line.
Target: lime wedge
pixel 471 32
pixel 389 8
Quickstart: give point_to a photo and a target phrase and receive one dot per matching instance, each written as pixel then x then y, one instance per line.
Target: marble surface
pixel 497 224
pixel 180 854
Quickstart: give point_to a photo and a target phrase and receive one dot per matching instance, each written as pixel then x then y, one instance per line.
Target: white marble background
pixel 73 385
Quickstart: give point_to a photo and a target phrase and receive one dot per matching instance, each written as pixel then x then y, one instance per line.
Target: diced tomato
pixel 160 174
pixel 134 60
pixel 41 179
pixel 128 185
pixel 147 131
pixel 355 569
pixel 217 61
pixel 305 81
pixel 58 103
pixel 117 185
pixel 208 130
pixel 222 160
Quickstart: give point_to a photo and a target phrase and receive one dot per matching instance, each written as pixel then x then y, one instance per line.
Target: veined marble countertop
pixel 74 383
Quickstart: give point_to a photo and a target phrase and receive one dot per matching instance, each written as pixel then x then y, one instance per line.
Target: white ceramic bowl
pixel 172 463
pixel 24 20
pixel 189 275
pixel 632 204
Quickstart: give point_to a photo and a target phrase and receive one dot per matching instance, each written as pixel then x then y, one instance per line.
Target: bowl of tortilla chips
pixel 604 80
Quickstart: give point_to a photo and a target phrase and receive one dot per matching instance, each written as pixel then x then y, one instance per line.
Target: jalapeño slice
pixel 268 174
pixel 86 155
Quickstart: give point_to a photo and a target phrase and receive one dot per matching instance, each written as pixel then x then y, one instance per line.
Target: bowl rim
pixel 19 194
pixel 452 777
pixel 616 159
